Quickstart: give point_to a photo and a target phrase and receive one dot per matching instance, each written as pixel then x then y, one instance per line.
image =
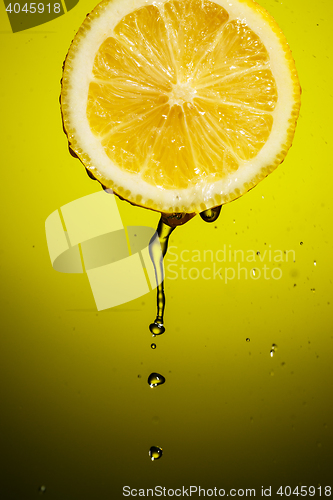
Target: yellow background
pixel 77 414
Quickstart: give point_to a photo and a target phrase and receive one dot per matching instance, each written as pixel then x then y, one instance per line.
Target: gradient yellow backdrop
pixel 77 414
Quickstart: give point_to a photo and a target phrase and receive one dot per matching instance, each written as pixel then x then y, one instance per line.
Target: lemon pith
pixel 180 106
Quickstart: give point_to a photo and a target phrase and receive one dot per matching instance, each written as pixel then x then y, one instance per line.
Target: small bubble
pixel 153 346
pixel 155 379
pixel 313 290
pixel 258 253
pixel 155 452
pixel 272 374
pixel 42 489
pixel 301 242
pixel 248 340
pixel 314 262
pixel 139 376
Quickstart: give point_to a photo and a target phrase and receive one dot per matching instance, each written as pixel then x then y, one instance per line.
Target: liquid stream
pixel 158 247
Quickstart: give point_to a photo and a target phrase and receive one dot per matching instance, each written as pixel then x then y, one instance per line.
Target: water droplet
pixel 314 262
pixel 155 379
pixel 155 452
pixel 211 214
pixel 156 328
pixel 247 340
pixel 153 346
pixel 42 489
pixel 273 349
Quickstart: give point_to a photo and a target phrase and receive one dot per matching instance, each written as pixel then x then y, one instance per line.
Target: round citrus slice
pixel 180 105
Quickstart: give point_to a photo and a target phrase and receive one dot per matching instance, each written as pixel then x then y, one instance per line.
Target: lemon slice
pixel 180 106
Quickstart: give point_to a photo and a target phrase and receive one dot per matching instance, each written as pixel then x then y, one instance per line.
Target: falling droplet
pixel 155 379
pixel 42 489
pixel 254 272
pixel 248 340
pixel 155 453
pixel 156 328
pixel 153 346
pixel 314 262
pixel 271 352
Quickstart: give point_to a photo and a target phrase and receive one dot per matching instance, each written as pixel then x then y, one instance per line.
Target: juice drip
pixel 155 379
pixel 211 214
pixel 159 242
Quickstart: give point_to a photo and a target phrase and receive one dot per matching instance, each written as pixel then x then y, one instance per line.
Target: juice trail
pixel 159 240
pixel 158 243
